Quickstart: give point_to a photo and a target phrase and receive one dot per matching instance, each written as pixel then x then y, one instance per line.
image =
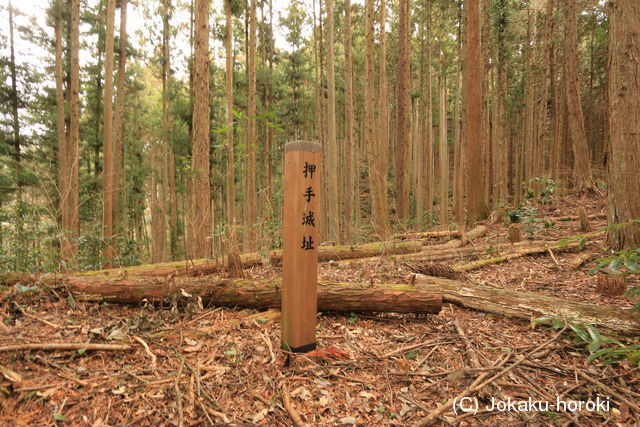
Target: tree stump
pixel 515 233
pixel 585 226
pixel 234 265
pixel 612 286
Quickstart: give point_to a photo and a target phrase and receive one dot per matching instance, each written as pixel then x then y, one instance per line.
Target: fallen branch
pixel 479 383
pixel 525 305
pixel 473 265
pixel 293 414
pixel 329 253
pixel 611 392
pixel 64 346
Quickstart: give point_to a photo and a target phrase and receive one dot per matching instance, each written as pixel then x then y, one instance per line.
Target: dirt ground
pixel 224 366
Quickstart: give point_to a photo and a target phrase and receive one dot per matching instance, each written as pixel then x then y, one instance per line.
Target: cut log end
pixel 234 265
pixel 612 286
pixel 515 233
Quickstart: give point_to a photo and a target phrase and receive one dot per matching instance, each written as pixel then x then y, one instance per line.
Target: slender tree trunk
pixel 66 251
pixel 107 173
pixel 403 116
pixel 333 203
pixel 349 140
pixel 74 128
pixel 17 155
pixel 167 124
pixel 119 115
pixel 458 160
pixel 231 179
pixel 377 176
pixel 251 217
pixel 583 174
pixel 624 124
pixel 428 146
pixel 443 153
pixel 472 113
pixel 198 242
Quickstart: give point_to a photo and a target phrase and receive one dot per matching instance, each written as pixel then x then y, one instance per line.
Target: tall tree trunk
pixel 167 125
pixel 198 242
pixel 349 140
pixel 428 145
pixel 377 176
pixel 403 113
pixel 107 173
pixel 231 175
pixel 443 153
pixel 65 244
pixel 458 159
pixel 14 109
pixel 252 199
pixel 119 115
pixel 472 113
pixel 332 201
pixel 624 123
pixel 74 128
pixel 583 175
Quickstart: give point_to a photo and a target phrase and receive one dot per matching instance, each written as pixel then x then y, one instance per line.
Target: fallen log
pixel 525 305
pixel 198 267
pixel 332 296
pixel 575 217
pixel 558 247
pixel 428 235
pixel 328 253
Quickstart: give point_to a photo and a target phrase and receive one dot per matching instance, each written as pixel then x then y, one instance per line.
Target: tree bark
pixel 332 201
pixel 252 198
pixel 472 113
pixel 377 169
pixel 349 140
pixel 74 129
pixel 403 112
pixel 107 173
pixel 327 253
pixel 231 178
pixel 199 244
pixel 528 306
pixel 119 116
pixel 17 155
pixel 443 153
pixel 624 124
pixel 583 174
pixel 332 296
pixel 66 244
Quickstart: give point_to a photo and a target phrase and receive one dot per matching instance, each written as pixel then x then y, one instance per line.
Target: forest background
pixel 161 137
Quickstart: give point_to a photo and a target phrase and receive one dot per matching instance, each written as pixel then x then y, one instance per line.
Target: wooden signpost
pixel 300 253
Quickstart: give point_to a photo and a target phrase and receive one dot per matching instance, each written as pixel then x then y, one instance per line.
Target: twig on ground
pixel 179 395
pixel 267 341
pixel 481 383
pixel 413 347
pixel 611 392
pixel 64 346
pixel 150 353
pixel 293 414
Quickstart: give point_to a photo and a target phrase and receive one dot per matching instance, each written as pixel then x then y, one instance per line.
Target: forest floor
pixel 369 369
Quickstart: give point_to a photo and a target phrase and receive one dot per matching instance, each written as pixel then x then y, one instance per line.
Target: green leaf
pixel 59 417
pixel 581 333
pixel 231 352
pixel 615 265
pixel 411 355
pixel 82 351
pixel 71 301
pixel 631 265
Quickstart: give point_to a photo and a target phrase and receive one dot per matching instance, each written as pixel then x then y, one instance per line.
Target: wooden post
pixel 300 254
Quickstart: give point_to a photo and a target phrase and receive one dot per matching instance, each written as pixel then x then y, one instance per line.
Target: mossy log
pixel 525 305
pixel 332 296
pixel 425 235
pixel 196 267
pixel 328 253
